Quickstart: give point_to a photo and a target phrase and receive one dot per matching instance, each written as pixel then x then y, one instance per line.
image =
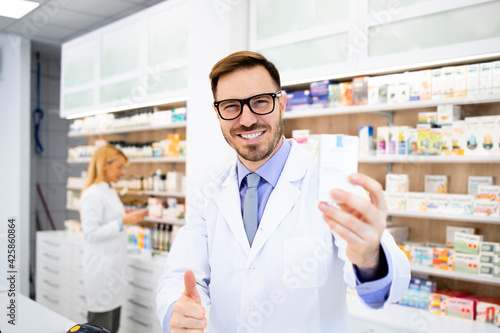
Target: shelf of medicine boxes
pixel 447 217
pixel 135 160
pixel 129 129
pixel 428 159
pixel 455 275
pixel 139 192
pixel 312 112
pixel 173 222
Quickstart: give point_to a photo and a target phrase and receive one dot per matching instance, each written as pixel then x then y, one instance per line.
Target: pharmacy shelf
pixel 73 209
pixel 164 194
pixel 74 188
pixel 446 217
pixel 129 129
pixel 455 275
pixel 400 318
pixel 428 159
pixel 135 160
pixel 173 222
pixel 318 112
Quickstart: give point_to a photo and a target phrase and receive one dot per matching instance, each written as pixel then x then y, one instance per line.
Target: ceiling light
pixel 16 8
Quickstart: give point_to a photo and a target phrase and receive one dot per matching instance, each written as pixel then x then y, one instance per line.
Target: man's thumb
pixel 190 285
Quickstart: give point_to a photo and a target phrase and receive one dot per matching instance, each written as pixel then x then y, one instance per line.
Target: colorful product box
pixel 426 84
pixel 488 192
pixel 475 181
pixel 319 94
pixel 402 140
pixel 416 202
pixel 382 140
pixel 437 202
pixel 473 80
pixel 366 141
pixel 466 263
pixel 443 258
pixel 427 118
pixel 373 82
pixel 451 230
pixel 412 141
pixel 485 78
pixel 403 87
pixel 461 308
pixel 489 135
pixel 447 140
pixel 406 248
pixel 484 207
pixel 360 90
pixel 436 184
pixel 396 201
pixel 460 87
pixel 447 114
pixel 474 136
pixel 346 93
pixel 459 138
pixel 392 88
pixel 488 311
pixel 424 139
pixel 435 141
pixel 382 88
pixel 422 256
pixel 437 83
pixel 393 140
pixel 448 82
pixel 415 85
pixel 467 243
pixel 334 95
pixel 461 204
pixel 396 183
pixel 297 100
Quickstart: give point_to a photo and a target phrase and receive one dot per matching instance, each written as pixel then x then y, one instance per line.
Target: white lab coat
pixel 104 249
pixel 292 279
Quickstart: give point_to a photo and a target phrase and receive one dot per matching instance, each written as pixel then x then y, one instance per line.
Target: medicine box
pixel 462 204
pixel 466 263
pixel 338 158
pixel 484 207
pixel 489 135
pixel 416 202
pixel 474 135
pixel 437 83
pixel 382 88
pixel 435 141
pixel 366 141
pixel 396 201
pixel 475 181
pixel 393 140
pixel 448 82
pixel 392 88
pixel 460 87
pixel 437 202
pixel 301 136
pixel 346 93
pixel 488 311
pixel 402 140
pixel 399 233
pixel 447 140
pixel 412 140
pixel 495 89
pixel 472 80
pixel 490 248
pixel 403 87
pixel 437 302
pixel 422 256
pixel 334 94
pixel 360 90
pixel 372 98
pixel 461 308
pixel 486 258
pixel 319 94
pixel 423 139
pixel 450 233
pixel 489 192
pixel 459 138
pixel 467 243
pixel 415 85
pixel 382 140
pixel 426 84
pixel 447 114
pixel 427 118
pixel 487 270
pixel 396 182
pixel 485 78
pixel 297 100
pixel 443 258
pixel 436 184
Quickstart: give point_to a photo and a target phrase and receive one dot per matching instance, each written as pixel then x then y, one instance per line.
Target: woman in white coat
pixel 103 217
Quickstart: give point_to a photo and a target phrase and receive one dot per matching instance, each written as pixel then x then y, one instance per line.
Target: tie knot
pixel 253 180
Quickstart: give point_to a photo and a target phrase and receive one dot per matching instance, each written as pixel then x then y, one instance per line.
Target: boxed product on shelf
pixel 416 202
pixel 382 140
pixel 486 270
pixel 402 140
pixel 475 181
pixel 485 78
pixel 488 310
pixel 382 88
pixel 484 207
pixel 495 84
pixel 461 204
pixel 488 192
pixel 426 84
pixel 447 114
pixel 297 100
pixel 412 141
pixel 346 93
pixel 393 140
pixel 372 93
pixel 392 88
pixel 403 88
pixel 466 263
pixel 437 202
pixel 173 149
pixel 436 184
pixel 443 258
pixel 467 243
pixel 437 83
pixel 448 82
pixel 447 140
pixel 451 230
pixel 418 293
pixel 360 90
pixel 472 80
pixel 435 141
pixel 461 307
pixel 366 141
pixel 319 94
pixel 415 85
pixel 173 182
pixel 490 135
pixel 424 139
pixel 406 248
pixel 490 248
pixel 334 94
pixel 459 138
pixel 422 256
pixel 301 136
pixel 395 201
pixel 474 136
pixel 399 233
pixel 460 86
pixel 396 182
pixel 427 118
pixel 486 258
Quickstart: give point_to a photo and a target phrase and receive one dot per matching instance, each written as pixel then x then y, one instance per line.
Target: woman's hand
pixel 135 217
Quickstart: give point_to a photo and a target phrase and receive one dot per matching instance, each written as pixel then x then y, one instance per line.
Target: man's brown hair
pixel 242 60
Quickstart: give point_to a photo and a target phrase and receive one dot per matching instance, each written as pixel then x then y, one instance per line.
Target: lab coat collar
pixel 280 202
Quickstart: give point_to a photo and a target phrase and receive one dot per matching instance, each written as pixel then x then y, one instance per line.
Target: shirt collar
pixel 270 170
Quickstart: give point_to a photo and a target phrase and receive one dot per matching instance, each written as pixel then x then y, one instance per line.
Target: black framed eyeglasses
pixel 261 104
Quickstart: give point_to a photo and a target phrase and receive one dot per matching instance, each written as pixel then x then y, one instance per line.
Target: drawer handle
pixel 138 321
pixel 53 271
pixel 140 287
pixel 51 243
pixel 82 298
pixel 51 256
pixel 55 285
pixel 141 269
pixel 55 301
pixel 139 304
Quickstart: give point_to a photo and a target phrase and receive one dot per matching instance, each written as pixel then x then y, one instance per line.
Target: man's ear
pixel 216 112
pixel 282 100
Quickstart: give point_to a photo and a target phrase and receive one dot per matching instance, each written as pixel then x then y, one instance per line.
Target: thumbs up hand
pixel 188 315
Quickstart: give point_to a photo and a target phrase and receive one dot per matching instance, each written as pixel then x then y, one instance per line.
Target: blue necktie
pixel 251 206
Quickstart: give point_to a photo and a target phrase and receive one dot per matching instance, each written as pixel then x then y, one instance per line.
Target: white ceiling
pixel 57 21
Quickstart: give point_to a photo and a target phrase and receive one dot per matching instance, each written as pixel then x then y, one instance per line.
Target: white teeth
pixel 251 136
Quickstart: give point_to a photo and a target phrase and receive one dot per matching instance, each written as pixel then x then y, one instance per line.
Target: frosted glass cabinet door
pixel 120 50
pixel 78 64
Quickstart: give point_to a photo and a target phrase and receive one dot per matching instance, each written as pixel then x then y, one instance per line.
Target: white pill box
pixel 416 202
pixel 338 158
pixel 488 192
pixel 451 230
pixel 462 204
pixel 447 114
pixel 437 202
pixel 486 208
pixel 396 183
pixel 396 201
pixel 422 256
pixel 466 243
pixel 436 184
pixel 476 181
pixel 466 263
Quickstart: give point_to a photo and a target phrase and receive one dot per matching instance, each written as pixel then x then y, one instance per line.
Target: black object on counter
pixel 87 328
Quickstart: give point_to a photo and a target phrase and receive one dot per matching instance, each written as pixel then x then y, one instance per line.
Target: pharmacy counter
pixel 402 319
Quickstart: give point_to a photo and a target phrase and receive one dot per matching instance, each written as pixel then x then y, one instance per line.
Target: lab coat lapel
pixel 228 201
pixel 282 199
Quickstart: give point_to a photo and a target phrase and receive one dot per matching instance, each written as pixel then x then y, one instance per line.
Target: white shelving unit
pixel 446 217
pixel 455 275
pixel 136 160
pixel 173 222
pixel 129 130
pixel 73 209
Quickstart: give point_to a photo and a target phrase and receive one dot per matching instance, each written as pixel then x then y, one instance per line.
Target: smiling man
pixel 258 247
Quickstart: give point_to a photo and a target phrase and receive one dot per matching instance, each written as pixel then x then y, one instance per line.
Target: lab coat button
pixel 249 310
pixel 251 268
